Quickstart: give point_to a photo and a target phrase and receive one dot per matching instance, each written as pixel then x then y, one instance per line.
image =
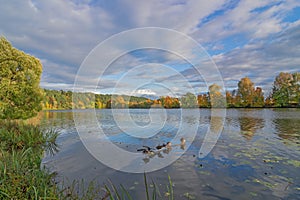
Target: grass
pixel 21 150
pixel 110 191
pixel 22 147
pixel 152 192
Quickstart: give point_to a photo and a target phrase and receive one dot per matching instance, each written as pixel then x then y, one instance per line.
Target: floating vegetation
pixel 254 194
pixel 295 163
pixel 270 161
pixel 189 196
pixel 205 173
pixel 262 182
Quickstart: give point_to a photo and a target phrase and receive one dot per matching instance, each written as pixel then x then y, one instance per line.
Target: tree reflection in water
pixel 288 129
pixel 249 126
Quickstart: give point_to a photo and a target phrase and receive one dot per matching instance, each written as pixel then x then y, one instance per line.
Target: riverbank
pixel 22 148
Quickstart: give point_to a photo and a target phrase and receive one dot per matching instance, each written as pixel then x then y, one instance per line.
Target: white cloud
pixel 262 60
pixel 62 33
pixel 246 18
pixel 145 91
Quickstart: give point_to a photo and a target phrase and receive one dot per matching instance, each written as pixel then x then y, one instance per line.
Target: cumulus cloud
pixel 262 61
pixel 248 37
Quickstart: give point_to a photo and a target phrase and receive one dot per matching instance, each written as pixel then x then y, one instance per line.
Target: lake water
pixel 256 155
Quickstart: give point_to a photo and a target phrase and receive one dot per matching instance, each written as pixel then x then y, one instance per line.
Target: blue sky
pixel 254 38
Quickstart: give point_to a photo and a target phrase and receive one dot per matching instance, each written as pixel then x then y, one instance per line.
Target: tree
pixel 203 101
pixel 286 89
pixel 258 98
pixel 216 97
pixel 229 99
pixel 189 100
pixel 246 92
pixel 295 89
pixel 170 102
pixel 118 101
pixel 20 94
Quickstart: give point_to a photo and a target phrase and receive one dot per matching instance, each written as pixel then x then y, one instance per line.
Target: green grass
pixel 152 191
pixel 21 151
pixel 77 190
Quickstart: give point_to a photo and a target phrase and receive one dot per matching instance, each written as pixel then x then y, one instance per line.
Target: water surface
pixel 256 156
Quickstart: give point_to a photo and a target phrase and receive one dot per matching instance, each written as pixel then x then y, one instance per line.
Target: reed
pixel 21 151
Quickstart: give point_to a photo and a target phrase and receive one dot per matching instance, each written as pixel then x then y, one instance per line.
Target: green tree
pixel 189 100
pixel 286 89
pixel 20 94
pixel 295 89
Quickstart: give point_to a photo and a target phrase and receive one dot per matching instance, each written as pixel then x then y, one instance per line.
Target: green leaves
pixel 20 94
pixel 189 100
pixel 286 90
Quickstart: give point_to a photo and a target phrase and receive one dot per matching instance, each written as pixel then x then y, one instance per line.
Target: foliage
pixel 59 99
pixel 286 89
pixel 21 151
pixel 285 93
pixel 20 94
pixel 152 191
pixel 216 97
pixel 203 101
pixel 170 102
pixel 21 177
pixel 258 98
pixel 189 100
pixel 246 92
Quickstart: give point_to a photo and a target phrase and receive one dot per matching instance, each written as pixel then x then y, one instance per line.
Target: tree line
pixel 60 99
pixel 285 93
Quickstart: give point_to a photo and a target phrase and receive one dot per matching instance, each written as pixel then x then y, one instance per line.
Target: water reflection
pixel 249 126
pixel 159 154
pixel 58 119
pixel 236 168
pixel 288 129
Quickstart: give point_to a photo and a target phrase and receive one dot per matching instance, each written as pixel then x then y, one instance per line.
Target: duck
pixel 146 150
pixel 182 141
pixel 158 147
pixel 169 145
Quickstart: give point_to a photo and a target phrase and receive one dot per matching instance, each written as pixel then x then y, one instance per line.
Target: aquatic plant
pixel 21 151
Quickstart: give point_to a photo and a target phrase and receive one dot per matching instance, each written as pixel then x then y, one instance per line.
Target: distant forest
pixel 285 93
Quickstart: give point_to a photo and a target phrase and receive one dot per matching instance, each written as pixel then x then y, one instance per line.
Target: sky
pixel 237 38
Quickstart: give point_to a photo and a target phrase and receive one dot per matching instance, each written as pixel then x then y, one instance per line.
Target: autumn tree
pixel 20 73
pixel 118 101
pixel 246 92
pixel 258 98
pixel 203 101
pixel 170 102
pixel 216 97
pixel 229 99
